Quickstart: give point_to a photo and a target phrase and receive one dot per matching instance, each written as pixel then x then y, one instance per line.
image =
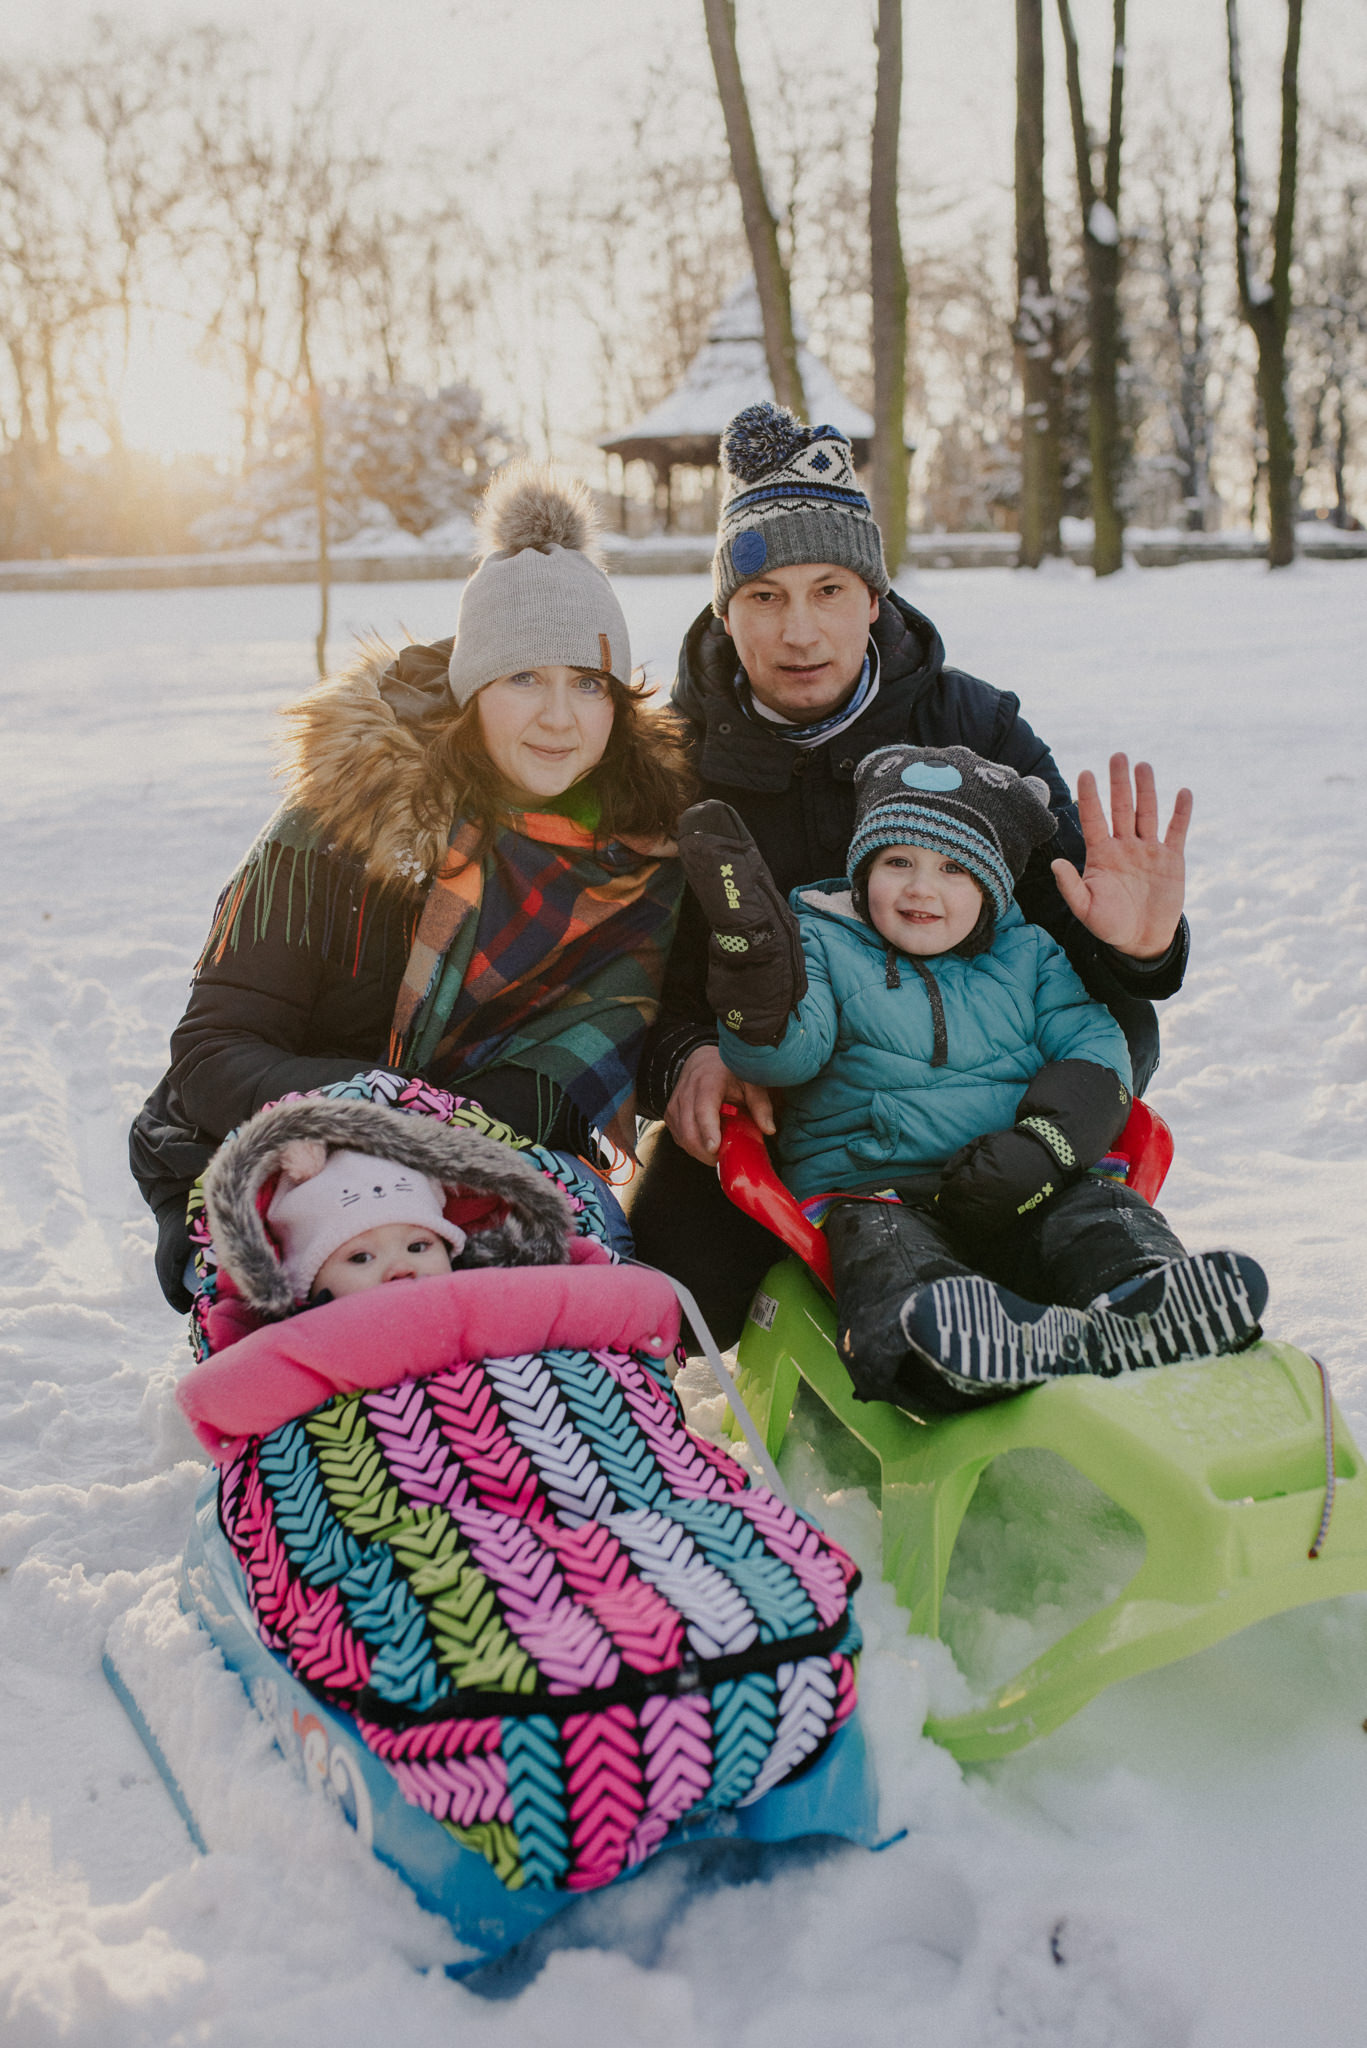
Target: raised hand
pixel 1129 895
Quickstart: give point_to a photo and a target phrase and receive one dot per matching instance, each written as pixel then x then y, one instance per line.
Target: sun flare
pixel 173 404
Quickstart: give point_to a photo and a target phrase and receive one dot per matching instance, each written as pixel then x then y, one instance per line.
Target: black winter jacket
pixel 799 803
pixel 306 995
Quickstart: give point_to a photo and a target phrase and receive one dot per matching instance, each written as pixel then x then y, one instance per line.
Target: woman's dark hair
pixel 643 781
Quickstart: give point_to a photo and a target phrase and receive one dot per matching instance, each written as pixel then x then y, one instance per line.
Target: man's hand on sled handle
pixel 1129 895
pixel 694 1113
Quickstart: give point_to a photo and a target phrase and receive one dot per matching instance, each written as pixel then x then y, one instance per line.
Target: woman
pixel 472 877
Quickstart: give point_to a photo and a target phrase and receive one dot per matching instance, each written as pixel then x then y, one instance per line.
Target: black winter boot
pixel 1197 1298
pixel 756 976
pixel 981 1337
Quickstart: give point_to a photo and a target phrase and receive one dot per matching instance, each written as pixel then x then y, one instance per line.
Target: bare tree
pixel 1331 320
pixel 131 91
pixel 412 296
pixel 238 184
pixel 658 229
pixel 53 293
pixel 817 176
pixel 1266 303
pixel 322 196
pixel 1101 249
pixel 963 300
pixel 525 327
pixel 761 229
pixel 889 283
pixel 1183 338
pixel 289 209
pixel 1036 328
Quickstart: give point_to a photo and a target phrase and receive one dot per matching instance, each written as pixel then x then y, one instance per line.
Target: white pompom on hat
pixel 321 1204
pixel 539 598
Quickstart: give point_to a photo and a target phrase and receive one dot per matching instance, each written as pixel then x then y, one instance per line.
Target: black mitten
pixel 1067 1119
pixel 1077 1109
pixel 988 1183
pixel 756 976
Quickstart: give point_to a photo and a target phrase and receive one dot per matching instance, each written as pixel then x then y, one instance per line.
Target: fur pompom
pixel 529 506
pixel 760 438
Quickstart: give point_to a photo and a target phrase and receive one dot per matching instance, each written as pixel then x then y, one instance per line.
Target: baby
pixel 945 1069
pixel 346 1221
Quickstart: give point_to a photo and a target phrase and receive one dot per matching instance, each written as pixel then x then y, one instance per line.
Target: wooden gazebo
pixel 728 372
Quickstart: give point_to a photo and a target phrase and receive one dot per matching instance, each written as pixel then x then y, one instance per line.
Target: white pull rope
pixel 731 1392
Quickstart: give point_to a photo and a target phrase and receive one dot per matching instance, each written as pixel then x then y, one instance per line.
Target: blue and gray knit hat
pixel 980 813
pixel 792 497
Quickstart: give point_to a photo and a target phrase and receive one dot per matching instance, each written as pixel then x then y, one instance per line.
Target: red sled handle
pixel 749 1180
pixel 748 1177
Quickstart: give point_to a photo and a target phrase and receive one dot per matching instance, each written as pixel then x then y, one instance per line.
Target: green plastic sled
pixel 1222 1464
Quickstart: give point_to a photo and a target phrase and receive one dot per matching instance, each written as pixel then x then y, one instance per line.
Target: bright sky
pixel 570 63
pixel 561 75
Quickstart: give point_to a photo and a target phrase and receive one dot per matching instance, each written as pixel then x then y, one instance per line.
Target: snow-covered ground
pixel 1183 1863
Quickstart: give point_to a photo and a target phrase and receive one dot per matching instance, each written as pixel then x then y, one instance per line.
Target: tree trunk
pixel 1187 412
pixel 1036 314
pixel 318 431
pixel 1257 496
pixel 53 398
pixel 889 287
pixel 18 356
pixel 761 229
pixel 253 364
pixel 1342 516
pixel 1267 306
pixel 320 495
pixel 1101 249
pixel 1103 412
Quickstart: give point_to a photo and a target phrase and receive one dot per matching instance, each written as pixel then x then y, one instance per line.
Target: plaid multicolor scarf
pixel 548 953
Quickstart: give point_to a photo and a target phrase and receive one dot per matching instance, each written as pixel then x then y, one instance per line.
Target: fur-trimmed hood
pixel 513 1214
pixel 362 773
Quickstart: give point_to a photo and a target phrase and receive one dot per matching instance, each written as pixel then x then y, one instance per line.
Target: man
pixel 807 661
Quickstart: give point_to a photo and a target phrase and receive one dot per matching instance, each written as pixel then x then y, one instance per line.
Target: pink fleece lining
pixel 413 1329
pixel 230 1318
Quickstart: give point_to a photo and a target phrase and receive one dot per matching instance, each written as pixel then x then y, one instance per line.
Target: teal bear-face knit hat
pixel 979 813
pixel 792 497
pixel 538 598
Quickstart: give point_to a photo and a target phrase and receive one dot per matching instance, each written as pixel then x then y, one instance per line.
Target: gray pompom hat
pixel 792 497
pixel 538 597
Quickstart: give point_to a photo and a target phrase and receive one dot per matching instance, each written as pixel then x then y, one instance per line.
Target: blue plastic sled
pixel 836 1797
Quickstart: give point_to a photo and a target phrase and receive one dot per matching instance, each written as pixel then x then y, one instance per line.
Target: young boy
pixel 347 1221
pixel 943 1065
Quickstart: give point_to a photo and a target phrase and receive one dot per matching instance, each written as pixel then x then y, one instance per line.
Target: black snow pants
pixel 1083 1243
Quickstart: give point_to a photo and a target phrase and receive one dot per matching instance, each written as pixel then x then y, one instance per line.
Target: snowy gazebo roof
pixel 730 372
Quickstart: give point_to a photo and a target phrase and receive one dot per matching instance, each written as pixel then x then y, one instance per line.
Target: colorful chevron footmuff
pixel 563 1622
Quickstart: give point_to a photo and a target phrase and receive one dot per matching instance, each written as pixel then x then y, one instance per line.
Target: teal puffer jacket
pixel 863 1104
